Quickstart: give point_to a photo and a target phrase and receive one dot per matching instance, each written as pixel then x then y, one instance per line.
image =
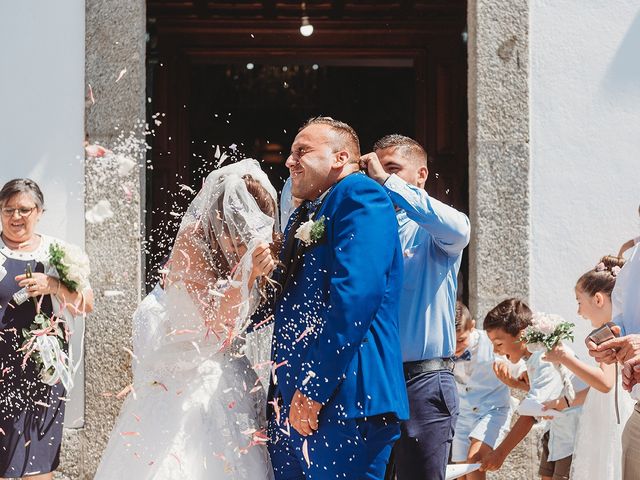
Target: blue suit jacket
pixel 336 322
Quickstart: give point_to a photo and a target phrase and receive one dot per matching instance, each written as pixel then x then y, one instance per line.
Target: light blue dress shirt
pixel 433 236
pixel 546 384
pixel 626 295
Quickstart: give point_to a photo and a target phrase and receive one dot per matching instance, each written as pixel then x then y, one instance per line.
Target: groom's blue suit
pixel 336 337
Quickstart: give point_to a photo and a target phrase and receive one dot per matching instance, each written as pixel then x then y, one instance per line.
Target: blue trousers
pixel 341 448
pixel 425 443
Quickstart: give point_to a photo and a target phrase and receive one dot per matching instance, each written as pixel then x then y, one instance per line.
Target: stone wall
pixel 499 156
pixel 499 174
pixel 115 40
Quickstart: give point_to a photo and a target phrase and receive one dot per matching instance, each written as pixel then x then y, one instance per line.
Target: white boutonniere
pixel 310 231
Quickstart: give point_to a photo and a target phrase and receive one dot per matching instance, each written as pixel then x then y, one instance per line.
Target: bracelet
pixel 566 400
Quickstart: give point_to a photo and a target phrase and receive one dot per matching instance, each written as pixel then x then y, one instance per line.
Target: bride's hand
pixel 263 261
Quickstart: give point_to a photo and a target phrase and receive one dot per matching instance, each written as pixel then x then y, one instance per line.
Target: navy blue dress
pixel 31 412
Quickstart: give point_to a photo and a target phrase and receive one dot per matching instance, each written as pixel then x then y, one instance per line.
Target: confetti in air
pixel 122 73
pixel 99 212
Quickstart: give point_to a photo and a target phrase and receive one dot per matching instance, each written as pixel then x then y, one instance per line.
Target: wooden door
pixel 416 51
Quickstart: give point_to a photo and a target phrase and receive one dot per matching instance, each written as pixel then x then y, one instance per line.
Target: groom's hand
pixel 371 164
pixel 303 414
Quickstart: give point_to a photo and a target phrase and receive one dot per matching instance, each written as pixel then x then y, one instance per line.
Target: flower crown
pixel 601 267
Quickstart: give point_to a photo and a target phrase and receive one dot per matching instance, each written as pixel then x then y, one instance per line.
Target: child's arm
pixel 601 378
pixel 495 459
pixel 501 371
pixel 626 246
pixel 562 403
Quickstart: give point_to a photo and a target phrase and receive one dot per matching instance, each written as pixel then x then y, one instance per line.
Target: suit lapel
pixel 299 250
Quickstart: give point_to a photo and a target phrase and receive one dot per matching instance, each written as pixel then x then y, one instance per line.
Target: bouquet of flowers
pixel 72 266
pixel 544 333
pixel 44 340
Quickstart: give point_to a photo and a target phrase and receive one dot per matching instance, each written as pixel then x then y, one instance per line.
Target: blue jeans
pixel 353 448
pixel 425 443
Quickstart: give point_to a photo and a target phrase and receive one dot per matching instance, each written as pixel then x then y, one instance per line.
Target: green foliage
pixel 564 331
pixel 317 230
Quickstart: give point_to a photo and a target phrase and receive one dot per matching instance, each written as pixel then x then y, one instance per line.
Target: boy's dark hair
pixel 463 317
pixel 511 315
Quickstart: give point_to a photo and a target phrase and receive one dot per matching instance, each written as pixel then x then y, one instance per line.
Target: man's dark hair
pixel 410 148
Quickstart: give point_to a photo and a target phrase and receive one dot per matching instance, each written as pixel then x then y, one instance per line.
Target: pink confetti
pixel 2 432
pixel 303 334
pixel 96 151
pixel 130 434
pixel 287 425
pixel 91 97
pixel 177 459
pixel 256 389
pixel 122 72
pixel 260 437
pixel 232 404
pixel 220 456
pixel 278 365
pixel 276 409
pixel 182 332
pixel 155 383
pixel 128 194
pixel 266 320
pixel 305 452
pixel 125 391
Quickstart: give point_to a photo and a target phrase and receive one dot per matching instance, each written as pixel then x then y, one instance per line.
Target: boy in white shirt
pixel 485 410
pixel 504 325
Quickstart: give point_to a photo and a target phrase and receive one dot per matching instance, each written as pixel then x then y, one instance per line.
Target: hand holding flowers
pixel 546 332
pixel 46 338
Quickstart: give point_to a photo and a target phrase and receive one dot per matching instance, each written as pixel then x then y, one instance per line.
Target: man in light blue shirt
pixel 433 236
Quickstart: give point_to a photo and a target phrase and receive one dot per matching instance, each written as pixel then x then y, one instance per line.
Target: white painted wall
pixel 42 114
pixel 585 142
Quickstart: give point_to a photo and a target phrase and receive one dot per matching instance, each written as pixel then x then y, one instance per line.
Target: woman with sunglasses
pixel 31 411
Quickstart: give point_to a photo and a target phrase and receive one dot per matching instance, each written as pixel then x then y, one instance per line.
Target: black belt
pixel 413 369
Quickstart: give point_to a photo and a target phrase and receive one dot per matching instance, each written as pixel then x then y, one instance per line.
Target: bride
pixel 197 406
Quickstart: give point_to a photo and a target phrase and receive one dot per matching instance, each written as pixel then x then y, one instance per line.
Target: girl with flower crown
pixel 598 445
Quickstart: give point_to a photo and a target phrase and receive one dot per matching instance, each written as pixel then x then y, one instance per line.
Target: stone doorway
pixel 243 75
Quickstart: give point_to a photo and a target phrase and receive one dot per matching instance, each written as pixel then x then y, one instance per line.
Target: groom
pixel 337 393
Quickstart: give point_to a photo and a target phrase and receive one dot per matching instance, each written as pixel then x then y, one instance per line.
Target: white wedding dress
pixel 597 454
pixel 197 408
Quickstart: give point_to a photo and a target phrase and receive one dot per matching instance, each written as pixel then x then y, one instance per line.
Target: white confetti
pixel 100 212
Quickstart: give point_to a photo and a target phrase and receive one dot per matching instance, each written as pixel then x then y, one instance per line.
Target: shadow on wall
pixel 623 74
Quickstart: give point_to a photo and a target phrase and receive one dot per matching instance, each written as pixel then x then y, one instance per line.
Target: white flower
pixel 546 324
pixel 77 263
pixel 303 233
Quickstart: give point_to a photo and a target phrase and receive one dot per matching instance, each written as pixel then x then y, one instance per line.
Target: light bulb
pixel 306 29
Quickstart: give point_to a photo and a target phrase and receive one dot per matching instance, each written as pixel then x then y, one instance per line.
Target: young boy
pixel 504 325
pixel 485 411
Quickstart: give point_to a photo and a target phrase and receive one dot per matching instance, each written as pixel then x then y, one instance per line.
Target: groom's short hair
pixel 409 147
pixel 343 131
